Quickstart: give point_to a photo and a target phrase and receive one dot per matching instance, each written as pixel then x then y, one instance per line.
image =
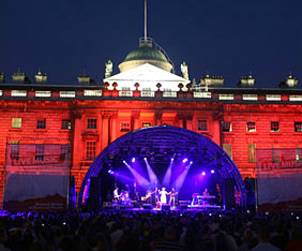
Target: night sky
pixel 65 38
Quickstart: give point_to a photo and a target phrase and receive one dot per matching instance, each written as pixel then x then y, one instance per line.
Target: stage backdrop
pixel 279 179
pixel 37 177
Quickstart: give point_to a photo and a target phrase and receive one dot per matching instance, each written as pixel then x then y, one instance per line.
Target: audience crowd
pixel 148 231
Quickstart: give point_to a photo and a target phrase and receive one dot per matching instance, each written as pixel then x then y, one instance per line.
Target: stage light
pixel 212 171
pixel 203 173
pixel 266 213
pixel 248 211
pixel 172 159
pixel 124 162
pixel 210 214
pixel 110 171
pixel 184 160
pixel 292 214
pixel 145 158
pixel 133 160
pixel 191 162
pixel 297 218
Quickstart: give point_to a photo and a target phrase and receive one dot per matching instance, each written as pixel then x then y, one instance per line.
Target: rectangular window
pixel 146 124
pixel 41 123
pixel 250 97
pixel 39 152
pixel 251 126
pixel 43 94
pixel 16 122
pixel 65 152
pixel 275 126
pixel 226 126
pixel 91 123
pixel 299 154
pixel 66 124
pixel 276 156
pixel 92 93
pixel 14 152
pixel 226 96
pixel 202 125
pixel 298 126
pixel 125 127
pixel 19 93
pixel 67 94
pixel 90 150
pixel 251 153
pixel 147 92
pixel 125 92
pixel 228 149
pixel 273 97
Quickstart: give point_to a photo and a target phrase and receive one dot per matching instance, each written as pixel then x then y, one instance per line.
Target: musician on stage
pixel 116 196
pixel 205 192
pixel 172 200
pixel 163 196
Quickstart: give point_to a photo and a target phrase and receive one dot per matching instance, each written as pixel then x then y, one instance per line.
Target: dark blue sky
pixel 231 38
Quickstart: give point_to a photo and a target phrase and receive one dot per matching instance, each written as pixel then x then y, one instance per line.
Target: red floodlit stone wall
pixel 115 118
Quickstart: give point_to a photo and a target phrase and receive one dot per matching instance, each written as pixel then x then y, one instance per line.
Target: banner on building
pixel 37 177
pixel 279 179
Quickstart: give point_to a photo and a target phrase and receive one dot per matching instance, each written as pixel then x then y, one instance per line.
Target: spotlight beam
pixel 181 178
pixel 152 176
pixel 167 177
pixel 138 177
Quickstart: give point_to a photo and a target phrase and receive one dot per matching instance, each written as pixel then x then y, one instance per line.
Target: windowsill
pixel 40 130
pixel 65 130
pixel 15 130
pixel 275 133
pixel 251 132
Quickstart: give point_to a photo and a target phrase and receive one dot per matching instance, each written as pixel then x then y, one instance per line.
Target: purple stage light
pixel 133 160
pixel 191 162
pixel 124 162
pixel 184 160
pixel 110 171
pixel 212 171
pixel 203 173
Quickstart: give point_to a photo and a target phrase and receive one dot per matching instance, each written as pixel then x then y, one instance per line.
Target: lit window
pixel 41 123
pixel 39 152
pixel 67 94
pixel 251 153
pixel 91 123
pixel 125 127
pixel 16 122
pixel 125 92
pixel 295 97
pixel 226 126
pixel 14 152
pixel 146 92
pixel 273 97
pixel 19 93
pixel 66 124
pixel 146 124
pixel 226 96
pixel 92 93
pixel 275 126
pixel 298 126
pixel 43 94
pixel 202 125
pixel 299 154
pixel 250 97
pixel 90 150
pixel 228 149
pixel 251 126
